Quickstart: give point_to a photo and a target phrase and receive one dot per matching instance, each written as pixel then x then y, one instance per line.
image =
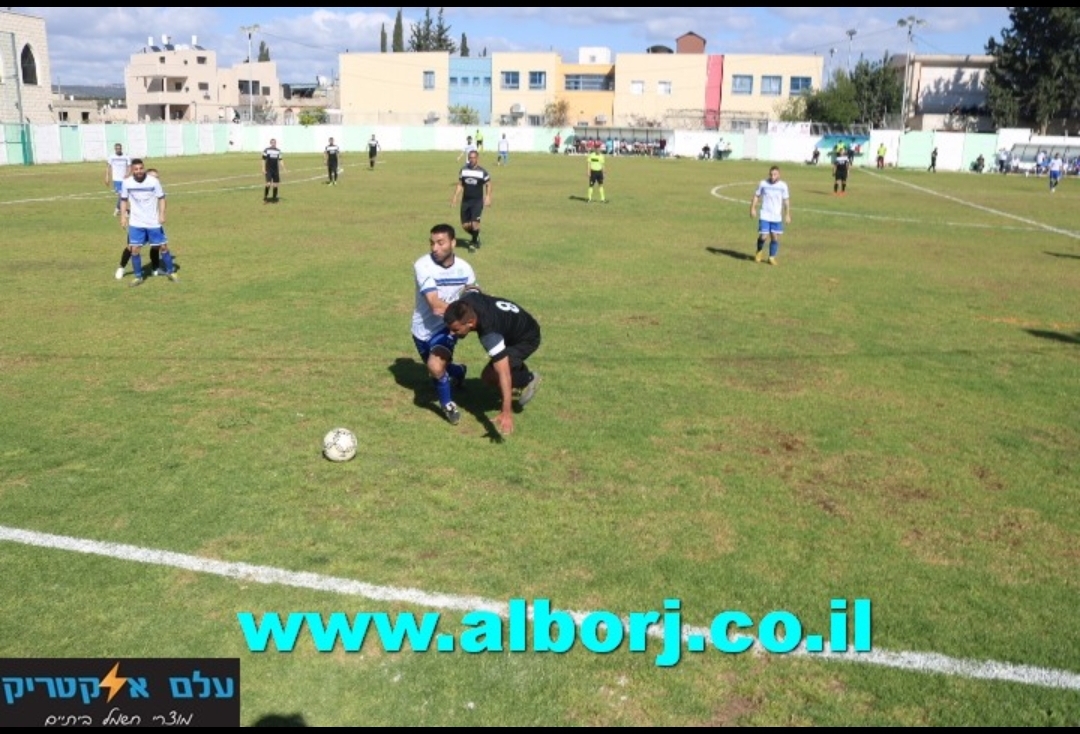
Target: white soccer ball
pixel 339 444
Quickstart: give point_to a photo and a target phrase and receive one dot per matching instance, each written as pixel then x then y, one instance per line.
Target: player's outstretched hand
pixel 505 423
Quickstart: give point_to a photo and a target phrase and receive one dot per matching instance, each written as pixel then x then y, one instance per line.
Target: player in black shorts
pixel 373 149
pixel 841 166
pixel 510 335
pixel 331 154
pixel 474 188
pixel 272 167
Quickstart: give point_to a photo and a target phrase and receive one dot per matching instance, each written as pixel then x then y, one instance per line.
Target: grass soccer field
pixel 891 413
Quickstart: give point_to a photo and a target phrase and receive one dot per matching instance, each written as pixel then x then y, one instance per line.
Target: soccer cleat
pixel 475 244
pixel 529 391
pixel 760 256
pixel 453 415
pixel 119 273
pixel 155 272
pixel 458 382
pixel 172 277
pixel 772 261
pixel 116 212
pixel 137 281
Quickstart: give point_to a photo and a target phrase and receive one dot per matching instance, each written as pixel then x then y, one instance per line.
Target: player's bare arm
pixel 438 305
pixel 505 419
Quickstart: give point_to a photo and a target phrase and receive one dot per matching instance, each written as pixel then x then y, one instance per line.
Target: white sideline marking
pixel 1033 226
pixel 980 207
pixel 916 661
pixel 110 194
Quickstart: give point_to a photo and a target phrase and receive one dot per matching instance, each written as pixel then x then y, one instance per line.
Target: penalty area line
pixel 914 661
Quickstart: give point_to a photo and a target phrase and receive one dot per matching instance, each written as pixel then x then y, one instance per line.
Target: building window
pixel 204 86
pixel 85 117
pixel 510 80
pixel 161 59
pixel 536 120
pixel 63 116
pixel 799 85
pixel 663 89
pixel 742 84
pixel 770 85
pixel 487 81
pixel 453 81
pixel 29 66
pixel 637 87
pixel 537 80
pixel 589 83
pixel 476 81
pixel 200 59
pixel 429 80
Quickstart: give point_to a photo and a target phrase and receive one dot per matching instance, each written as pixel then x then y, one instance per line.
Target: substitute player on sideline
pixel 775 200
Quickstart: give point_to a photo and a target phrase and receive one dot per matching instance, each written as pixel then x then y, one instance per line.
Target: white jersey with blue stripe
pixel 773 196
pixel 448 281
pixel 143 200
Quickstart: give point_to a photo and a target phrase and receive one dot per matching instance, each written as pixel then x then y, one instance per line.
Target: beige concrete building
pixel 522 85
pixel 688 90
pixel 651 89
pixel 394 88
pixel 589 90
pixel 182 82
pixel 25 81
pixel 755 87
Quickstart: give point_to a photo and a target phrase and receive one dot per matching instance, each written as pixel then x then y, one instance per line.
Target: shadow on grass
pixel 290 720
pixel 1062 254
pixel 1056 336
pixel 734 254
pixel 413 375
pixel 582 199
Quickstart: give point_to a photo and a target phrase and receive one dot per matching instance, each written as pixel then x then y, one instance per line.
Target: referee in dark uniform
pixel 510 335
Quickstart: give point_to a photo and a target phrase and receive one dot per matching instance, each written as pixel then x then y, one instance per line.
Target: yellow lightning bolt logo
pixel 113 682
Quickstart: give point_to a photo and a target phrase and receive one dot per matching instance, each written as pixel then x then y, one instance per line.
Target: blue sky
pixel 92 45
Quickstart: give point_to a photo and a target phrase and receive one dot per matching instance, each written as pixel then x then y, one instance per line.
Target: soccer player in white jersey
pixel 143 215
pixel 117 168
pixel 773 197
pixel 1055 167
pixel 441 277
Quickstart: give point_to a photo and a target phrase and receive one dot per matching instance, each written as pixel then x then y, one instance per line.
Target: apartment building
pixel 687 89
pixel 166 81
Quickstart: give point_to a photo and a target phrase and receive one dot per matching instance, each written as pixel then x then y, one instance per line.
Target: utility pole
pixel 249 29
pixel 850 35
pixel 910 22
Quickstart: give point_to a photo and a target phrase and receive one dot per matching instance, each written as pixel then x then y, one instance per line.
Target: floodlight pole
pixel 909 22
pixel 249 29
pixel 850 35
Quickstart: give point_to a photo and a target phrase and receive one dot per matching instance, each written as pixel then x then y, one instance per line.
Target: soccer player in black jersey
pixel 331 154
pixel 272 166
pixel 510 335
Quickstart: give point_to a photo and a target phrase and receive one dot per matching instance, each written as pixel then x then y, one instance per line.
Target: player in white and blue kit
pixel 117 168
pixel 775 201
pixel 441 277
pixel 1055 168
pixel 143 215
